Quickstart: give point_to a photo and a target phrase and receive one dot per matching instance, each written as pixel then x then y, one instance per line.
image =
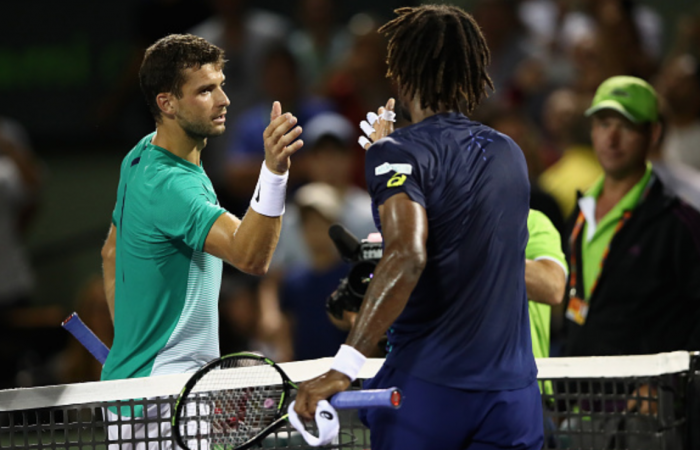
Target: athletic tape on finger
pixel 364 141
pixel 367 128
pixel 326 421
pixel 389 116
pixel 372 117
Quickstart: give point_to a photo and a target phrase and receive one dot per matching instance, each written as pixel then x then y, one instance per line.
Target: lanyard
pixel 580 221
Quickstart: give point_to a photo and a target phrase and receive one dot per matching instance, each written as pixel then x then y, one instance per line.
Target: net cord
pixel 171 385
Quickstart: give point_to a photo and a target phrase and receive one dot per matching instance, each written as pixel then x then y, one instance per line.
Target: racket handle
pixel 370 398
pixel 85 336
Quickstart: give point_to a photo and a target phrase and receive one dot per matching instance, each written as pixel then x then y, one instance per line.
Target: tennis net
pixel 627 402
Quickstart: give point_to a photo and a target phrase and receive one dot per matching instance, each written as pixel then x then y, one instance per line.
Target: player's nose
pixel 223 99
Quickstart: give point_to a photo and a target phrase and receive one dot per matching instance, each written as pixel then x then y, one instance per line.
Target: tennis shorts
pixel 439 417
pixel 151 430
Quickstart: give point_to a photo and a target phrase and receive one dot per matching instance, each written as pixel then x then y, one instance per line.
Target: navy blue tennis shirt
pixel 466 323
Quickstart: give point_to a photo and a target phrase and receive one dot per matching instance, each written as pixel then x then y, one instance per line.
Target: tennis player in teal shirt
pixel 169 236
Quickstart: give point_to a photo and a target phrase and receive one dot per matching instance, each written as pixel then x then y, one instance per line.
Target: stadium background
pixel 58 63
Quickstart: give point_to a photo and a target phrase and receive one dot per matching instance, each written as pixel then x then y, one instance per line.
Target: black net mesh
pixel 618 413
pixel 86 426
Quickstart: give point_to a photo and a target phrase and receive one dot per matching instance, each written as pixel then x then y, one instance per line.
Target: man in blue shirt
pixel 451 196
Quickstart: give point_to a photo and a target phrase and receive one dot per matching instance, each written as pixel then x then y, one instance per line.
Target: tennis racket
pixel 85 336
pixel 234 402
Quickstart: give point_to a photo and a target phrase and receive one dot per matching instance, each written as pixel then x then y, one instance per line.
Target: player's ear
pixel 167 103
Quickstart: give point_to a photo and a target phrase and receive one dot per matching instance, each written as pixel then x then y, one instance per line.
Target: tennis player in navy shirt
pixel 451 197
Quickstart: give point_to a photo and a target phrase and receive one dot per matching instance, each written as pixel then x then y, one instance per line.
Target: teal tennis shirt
pixel 166 287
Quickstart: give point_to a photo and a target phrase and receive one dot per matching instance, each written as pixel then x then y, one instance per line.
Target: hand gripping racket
pixel 234 402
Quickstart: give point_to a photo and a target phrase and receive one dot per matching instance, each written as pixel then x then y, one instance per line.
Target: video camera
pixel 364 256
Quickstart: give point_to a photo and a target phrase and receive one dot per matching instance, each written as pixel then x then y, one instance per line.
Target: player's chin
pixel 217 130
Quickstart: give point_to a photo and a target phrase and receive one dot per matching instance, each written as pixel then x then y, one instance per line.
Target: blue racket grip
pixel 370 398
pixel 86 337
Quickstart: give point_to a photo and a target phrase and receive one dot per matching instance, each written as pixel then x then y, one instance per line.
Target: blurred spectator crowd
pixel 548 58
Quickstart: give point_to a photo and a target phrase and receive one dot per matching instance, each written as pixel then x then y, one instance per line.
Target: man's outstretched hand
pixel 319 388
pixel 280 142
pixel 379 127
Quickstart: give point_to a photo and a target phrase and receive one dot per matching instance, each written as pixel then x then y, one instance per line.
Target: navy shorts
pixel 440 417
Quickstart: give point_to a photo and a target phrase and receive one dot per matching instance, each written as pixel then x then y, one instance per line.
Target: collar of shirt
pixel 181 162
pixel 599 235
pixel 588 204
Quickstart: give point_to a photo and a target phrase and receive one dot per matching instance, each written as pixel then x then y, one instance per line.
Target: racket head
pixel 232 403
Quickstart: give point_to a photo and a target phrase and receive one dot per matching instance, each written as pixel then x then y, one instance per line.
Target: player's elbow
pixel 255 268
pixel 412 261
pixel 258 270
pixel 250 263
pixel 419 259
pixel 108 252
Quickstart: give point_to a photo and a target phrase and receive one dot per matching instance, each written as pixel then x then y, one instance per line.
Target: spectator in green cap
pixel 635 258
pixel 632 97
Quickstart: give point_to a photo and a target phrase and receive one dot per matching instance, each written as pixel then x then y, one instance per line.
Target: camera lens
pixel 360 276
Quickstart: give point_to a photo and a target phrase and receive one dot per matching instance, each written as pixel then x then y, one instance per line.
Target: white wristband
pixel 348 361
pixel 268 198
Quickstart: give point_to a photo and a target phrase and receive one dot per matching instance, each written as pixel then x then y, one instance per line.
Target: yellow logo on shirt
pixel 396 181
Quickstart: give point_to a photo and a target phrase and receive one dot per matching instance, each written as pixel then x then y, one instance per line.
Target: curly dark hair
pixel 439 53
pixel 164 64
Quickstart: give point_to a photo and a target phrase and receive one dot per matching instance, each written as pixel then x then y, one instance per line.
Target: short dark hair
pixel 439 53
pixel 164 63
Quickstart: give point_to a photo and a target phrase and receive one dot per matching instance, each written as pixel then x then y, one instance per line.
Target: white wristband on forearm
pixel 268 198
pixel 348 361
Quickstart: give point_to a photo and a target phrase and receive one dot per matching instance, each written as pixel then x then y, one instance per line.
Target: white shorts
pixel 154 425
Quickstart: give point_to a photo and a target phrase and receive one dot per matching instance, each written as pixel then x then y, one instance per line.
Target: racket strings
pixel 232 404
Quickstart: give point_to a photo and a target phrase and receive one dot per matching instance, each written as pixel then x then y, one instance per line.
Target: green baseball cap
pixel 632 97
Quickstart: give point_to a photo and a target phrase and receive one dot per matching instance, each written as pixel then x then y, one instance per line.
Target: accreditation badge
pixel 577 310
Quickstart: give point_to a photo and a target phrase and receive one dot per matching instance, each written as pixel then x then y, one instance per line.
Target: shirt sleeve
pixel 391 168
pixel 185 209
pixel 544 241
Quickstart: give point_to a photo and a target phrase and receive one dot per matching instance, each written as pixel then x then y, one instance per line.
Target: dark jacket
pixel 648 295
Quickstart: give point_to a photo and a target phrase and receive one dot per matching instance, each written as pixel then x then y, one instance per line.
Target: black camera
pixel 364 257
